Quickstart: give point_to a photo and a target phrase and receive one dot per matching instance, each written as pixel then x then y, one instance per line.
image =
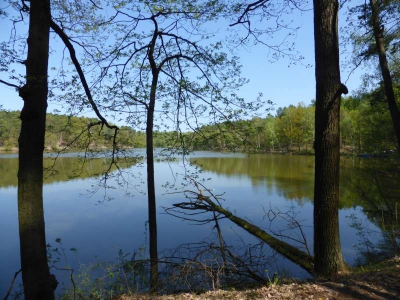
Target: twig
pixel 71 276
pixel 12 284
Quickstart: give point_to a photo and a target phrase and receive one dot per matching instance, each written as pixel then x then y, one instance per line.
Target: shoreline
pixel 377 282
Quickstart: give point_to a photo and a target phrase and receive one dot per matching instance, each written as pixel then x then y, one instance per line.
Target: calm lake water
pixel 99 224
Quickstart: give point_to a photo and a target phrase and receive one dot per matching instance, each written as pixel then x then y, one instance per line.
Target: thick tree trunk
pixel 387 78
pixel 327 251
pixel 37 280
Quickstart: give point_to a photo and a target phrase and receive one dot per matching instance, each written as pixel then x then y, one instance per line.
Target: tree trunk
pixel 151 193
pixel 387 78
pixel 327 250
pixel 37 280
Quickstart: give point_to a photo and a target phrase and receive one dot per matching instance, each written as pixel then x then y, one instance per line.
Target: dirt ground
pixel 379 284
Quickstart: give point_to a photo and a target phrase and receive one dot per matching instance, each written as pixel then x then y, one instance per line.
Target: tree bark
pixel 37 280
pixel 327 251
pixel 387 78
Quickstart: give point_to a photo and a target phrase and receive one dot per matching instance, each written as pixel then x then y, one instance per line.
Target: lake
pixel 98 221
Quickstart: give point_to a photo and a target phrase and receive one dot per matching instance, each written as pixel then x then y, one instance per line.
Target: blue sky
pixel 279 81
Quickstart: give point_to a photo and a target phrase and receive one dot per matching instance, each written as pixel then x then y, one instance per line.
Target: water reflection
pixel 59 169
pixel 98 228
pixel 291 177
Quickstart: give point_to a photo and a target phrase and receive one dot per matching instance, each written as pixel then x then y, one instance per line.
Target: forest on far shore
pixel 365 128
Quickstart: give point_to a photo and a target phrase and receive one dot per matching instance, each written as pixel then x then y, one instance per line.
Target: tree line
pixel 68 133
pixel 365 126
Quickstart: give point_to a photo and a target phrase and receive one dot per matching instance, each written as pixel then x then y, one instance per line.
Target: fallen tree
pixel 200 203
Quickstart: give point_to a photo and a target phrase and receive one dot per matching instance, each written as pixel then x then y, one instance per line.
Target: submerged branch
pixel 201 202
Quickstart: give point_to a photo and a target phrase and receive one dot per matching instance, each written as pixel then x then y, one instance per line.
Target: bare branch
pixel 10 84
pixel 12 284
pixel 250 7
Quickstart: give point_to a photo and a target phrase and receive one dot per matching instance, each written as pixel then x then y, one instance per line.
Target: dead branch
pixel 199 201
